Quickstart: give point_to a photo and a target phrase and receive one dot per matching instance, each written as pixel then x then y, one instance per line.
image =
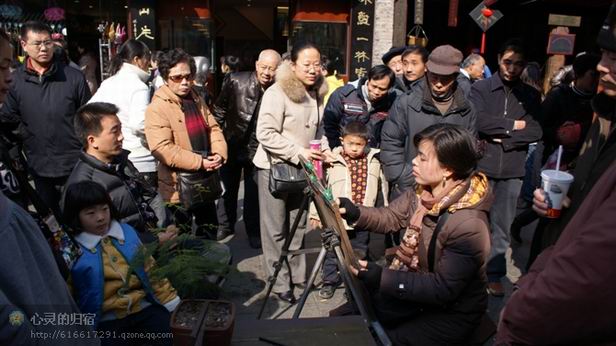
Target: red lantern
pixel 487 12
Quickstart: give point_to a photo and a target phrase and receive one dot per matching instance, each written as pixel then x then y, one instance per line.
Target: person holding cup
pixel 598 150
pixel 289 118
pixel 567 295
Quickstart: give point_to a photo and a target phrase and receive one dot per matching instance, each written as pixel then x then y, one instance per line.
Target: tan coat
pixel 288 119
pixel 339 181
pixel 165 130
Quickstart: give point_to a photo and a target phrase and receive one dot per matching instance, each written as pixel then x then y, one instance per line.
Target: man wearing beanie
pixel 507 110
pixel 567 295
pixel 438 101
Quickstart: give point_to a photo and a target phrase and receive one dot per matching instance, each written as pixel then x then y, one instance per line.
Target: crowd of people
pixel 429 148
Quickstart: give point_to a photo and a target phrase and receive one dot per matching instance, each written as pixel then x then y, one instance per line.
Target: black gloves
pixel 352 211
pixel 372 276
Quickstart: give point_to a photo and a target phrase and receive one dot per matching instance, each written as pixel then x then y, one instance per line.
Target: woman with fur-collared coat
pixel 179 127
pixel 289 118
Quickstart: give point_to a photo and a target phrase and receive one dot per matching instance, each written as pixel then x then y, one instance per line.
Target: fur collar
pixel 293 87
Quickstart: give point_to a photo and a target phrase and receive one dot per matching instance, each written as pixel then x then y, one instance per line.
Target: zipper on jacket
pixel 500 158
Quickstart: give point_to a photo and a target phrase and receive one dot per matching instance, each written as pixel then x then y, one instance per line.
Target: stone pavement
pixel 246 284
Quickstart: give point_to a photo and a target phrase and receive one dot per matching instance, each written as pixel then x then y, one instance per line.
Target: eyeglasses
pixel 315 66
pixel 39 44
pixel 180 77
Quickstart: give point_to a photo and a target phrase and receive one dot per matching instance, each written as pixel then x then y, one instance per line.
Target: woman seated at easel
pixel 434 289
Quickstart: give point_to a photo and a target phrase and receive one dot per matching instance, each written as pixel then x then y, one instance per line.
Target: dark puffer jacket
pixel 411 114
pixel 237 104
pixel 348 104
pixel 455 288
pixel 44 108
pixel 129 193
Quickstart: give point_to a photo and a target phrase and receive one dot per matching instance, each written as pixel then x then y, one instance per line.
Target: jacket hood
pixel 118 164
pixel 132 69
pixel 459 103
pixel 293 87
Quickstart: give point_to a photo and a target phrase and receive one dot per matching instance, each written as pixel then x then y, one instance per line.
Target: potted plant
pixel 195 268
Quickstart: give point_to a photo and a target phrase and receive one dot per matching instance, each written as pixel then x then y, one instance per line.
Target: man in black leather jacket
pixel 236 111
pixel 105 162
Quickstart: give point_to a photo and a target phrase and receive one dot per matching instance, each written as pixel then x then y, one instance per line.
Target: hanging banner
pixel 143 20
pixel 362 26
pixel 419 12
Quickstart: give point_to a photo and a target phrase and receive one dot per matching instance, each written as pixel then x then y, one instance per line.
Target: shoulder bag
pixel 286 177
pixel 198 187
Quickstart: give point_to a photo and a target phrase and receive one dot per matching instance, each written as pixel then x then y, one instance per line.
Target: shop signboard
pixel 362 26
pixel 143 20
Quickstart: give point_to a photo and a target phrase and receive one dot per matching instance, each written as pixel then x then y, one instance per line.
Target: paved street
pixel 246 284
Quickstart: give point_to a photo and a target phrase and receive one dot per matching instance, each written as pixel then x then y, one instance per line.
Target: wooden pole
pixel 554 63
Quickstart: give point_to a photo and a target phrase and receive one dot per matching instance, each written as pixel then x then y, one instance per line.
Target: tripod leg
pixel 359 302
pixel 284 253
pixel 310 283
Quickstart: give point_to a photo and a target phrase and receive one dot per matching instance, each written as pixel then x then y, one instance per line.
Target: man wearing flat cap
pixel 567 296
pixel 393 59
pixel 438 100
pixel 507 110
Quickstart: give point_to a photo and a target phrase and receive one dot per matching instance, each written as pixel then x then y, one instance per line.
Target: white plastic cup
pixel 555 185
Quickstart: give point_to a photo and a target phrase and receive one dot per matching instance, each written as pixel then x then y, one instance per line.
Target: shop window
pixel 331 38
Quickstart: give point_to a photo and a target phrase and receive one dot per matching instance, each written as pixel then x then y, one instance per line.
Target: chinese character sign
pixel 362 26
pixel 143 20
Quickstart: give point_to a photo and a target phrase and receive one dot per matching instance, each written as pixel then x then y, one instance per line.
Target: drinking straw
pixel 560 153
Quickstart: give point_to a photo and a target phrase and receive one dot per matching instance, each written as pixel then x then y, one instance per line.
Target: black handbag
pixel 286 178
pixel 197 187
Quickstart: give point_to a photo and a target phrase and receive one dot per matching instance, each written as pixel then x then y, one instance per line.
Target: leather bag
pixel 286 178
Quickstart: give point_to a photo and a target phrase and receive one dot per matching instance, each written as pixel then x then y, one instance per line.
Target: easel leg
pixel 310 283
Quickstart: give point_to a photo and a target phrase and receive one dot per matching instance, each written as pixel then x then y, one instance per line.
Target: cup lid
pixel 552 174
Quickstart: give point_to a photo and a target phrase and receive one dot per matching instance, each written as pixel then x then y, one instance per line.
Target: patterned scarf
pixel 358 170
pixel 198 130
pixel 460 195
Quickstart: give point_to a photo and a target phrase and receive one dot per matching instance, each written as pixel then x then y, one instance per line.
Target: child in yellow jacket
pixel 101 282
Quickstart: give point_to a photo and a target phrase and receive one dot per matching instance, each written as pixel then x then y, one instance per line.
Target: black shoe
pixel 221 234
pixel 255 242
pixel 286 296
pixel 327 291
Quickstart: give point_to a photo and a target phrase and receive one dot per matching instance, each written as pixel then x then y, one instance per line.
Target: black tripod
pixel 283 259
pixel 330 242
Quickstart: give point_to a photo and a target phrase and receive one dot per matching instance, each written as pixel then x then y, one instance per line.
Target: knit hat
pixel 607 34
pixel 444 60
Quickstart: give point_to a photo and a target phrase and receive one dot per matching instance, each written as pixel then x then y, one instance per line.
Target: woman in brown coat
pixel 184 136
pixel 434 290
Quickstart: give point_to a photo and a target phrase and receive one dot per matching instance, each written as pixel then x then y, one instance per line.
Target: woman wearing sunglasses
pixel 184 136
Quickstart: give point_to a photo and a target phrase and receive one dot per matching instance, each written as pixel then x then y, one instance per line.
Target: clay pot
pixel 203 322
